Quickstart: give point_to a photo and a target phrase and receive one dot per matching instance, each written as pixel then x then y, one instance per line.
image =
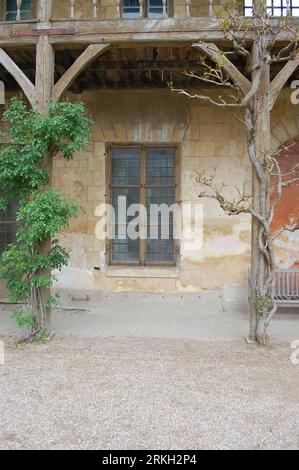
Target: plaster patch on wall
pixel 225 244
pixel 73 278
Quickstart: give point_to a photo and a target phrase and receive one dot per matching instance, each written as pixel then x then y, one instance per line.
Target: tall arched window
pixel 12 10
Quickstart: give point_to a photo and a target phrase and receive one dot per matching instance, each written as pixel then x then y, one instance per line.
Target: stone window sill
pixel 147 272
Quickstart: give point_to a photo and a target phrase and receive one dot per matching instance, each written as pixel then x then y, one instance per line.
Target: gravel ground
pixel 148 393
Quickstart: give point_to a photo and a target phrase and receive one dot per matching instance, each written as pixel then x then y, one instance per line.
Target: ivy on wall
pixel 25 173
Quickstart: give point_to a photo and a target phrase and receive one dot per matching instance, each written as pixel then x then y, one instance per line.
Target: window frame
pixel 143 148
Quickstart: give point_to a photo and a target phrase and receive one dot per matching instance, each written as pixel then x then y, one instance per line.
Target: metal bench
pixel 286 287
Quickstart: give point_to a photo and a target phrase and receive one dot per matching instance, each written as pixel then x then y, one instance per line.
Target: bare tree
pixel 261 42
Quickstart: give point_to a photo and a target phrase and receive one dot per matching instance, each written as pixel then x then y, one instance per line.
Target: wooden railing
pixel 142 8
pixel 72 9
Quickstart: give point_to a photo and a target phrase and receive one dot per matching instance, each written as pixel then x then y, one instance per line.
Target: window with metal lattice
pixel 145 176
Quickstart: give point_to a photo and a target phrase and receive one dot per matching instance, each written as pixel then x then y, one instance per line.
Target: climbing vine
pixel 28 265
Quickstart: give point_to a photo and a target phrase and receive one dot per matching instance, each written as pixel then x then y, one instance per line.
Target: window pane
pixel 124 249
pixel 160 176
pixel 131 9
pixel 160 242
pixel 11 10
pixel 155 8
pixel 125 167
pixel 160 167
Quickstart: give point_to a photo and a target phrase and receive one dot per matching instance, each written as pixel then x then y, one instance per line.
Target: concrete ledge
pixel 147 272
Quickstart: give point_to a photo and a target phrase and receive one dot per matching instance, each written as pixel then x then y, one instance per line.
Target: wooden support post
pixel 44 80
pixel 211 12
pixel 45 60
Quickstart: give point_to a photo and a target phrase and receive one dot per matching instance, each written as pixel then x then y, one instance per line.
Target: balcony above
pixel 62 10
pixel 76 23
pixel 26 10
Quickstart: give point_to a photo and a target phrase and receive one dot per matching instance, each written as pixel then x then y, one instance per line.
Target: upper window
pixel 275 7
pixel 12 10
pixel 149 9
pixel 131 9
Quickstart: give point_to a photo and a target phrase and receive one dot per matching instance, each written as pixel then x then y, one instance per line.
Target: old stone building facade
pixel 118 59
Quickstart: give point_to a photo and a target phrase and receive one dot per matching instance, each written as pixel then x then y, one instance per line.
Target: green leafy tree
pixel 25 169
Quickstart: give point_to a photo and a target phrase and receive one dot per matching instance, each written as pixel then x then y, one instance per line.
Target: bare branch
pixel 222 103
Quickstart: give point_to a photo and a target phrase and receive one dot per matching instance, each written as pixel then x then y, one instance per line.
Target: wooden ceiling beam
pixel 23 81
pixel 89 55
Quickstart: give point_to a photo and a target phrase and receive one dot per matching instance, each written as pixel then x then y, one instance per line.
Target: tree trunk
pixel 260 186
pixel 261 331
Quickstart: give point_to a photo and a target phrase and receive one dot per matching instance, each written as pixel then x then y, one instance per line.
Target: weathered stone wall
pixel 207 138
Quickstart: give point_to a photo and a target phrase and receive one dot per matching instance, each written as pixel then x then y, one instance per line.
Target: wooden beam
pixel 282 77
pixel 23 81
pixel 122 31
pixel 44 73
pixel 89 55
pixel 143 31
pixel 137 66
pixel 212 51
